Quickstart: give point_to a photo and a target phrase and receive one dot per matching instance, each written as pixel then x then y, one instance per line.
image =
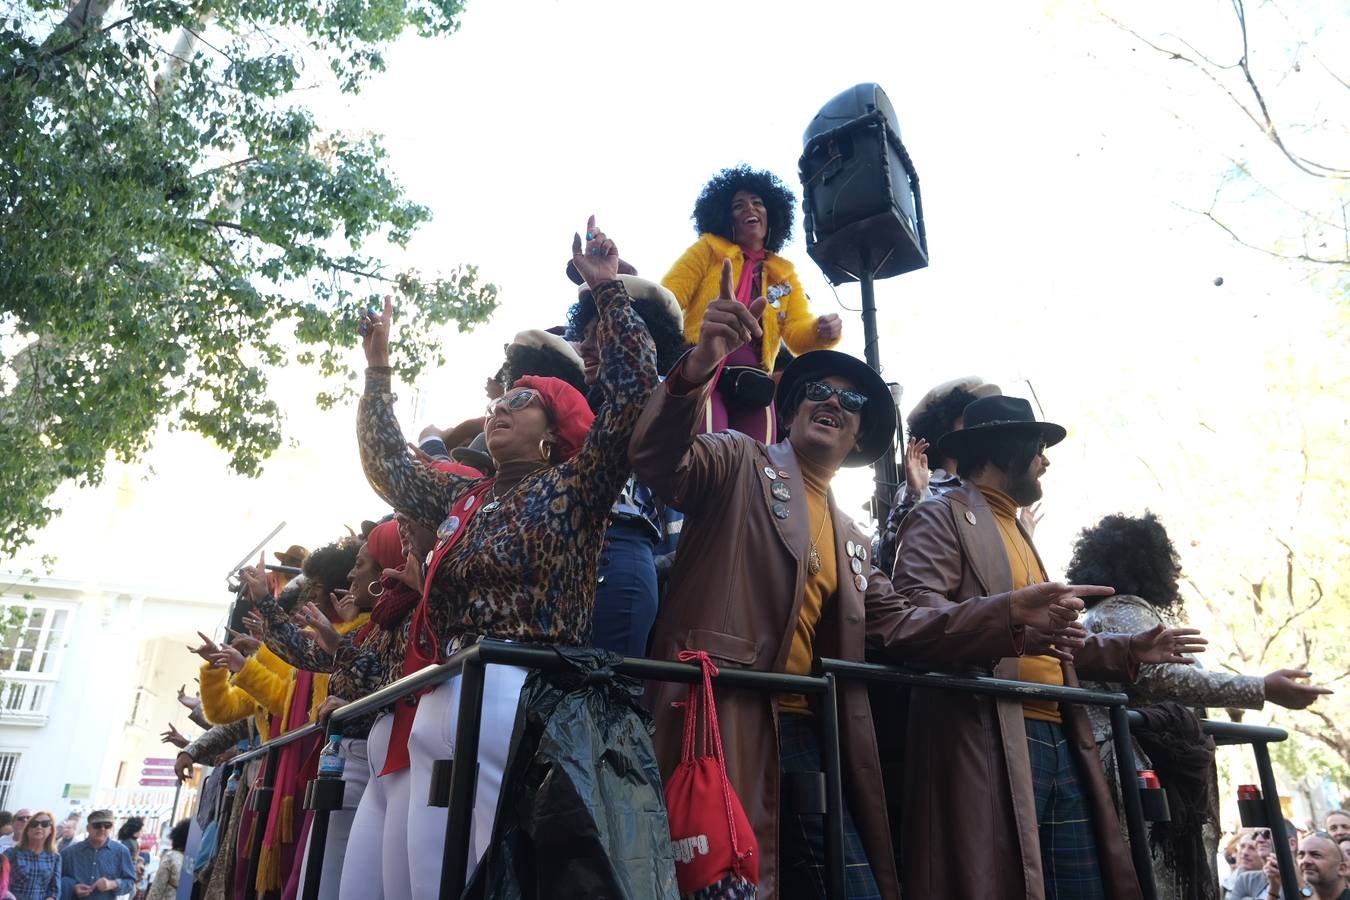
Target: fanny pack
pixel 748 386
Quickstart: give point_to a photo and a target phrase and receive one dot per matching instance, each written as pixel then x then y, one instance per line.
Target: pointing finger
pixel 728 292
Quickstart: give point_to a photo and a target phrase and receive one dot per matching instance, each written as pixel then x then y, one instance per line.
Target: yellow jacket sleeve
pixel 267 688
pixel 222 702
pixel 799 328
pixel 686 276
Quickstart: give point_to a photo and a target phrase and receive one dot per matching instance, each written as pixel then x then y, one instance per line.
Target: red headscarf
pixel 384 545
pixel 571 414
pixel 386 548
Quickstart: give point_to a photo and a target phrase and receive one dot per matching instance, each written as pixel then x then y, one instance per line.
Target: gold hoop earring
pixel 546 450
pixel 370 589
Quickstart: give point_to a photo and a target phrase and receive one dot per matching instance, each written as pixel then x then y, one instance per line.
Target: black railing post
pixel 836 888
pixel 261 801
pixel 1126 768
pixel 1270 795
pixel 455 860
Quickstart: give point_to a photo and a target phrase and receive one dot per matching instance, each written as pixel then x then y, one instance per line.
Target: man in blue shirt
pixel 97 867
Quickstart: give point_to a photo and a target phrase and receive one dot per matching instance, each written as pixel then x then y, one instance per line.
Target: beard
pixel 1024 488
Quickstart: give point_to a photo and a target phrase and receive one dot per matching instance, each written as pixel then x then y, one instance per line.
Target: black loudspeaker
pixel 860 190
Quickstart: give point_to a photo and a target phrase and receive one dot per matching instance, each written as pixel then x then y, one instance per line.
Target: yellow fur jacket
pixel 695 280
pixel 264 687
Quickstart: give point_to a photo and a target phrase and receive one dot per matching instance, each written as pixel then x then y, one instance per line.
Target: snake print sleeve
pixel 1191 685
pixel 418 491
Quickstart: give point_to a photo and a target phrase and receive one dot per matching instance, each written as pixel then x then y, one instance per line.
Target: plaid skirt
pixel 801 837
pixel 1068 845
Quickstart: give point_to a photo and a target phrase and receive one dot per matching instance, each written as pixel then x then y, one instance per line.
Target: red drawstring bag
pixel 713 842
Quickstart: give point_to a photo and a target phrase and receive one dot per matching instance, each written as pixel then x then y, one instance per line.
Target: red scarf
pixel 424 645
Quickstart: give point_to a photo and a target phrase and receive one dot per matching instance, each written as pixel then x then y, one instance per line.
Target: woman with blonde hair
pixel 34 865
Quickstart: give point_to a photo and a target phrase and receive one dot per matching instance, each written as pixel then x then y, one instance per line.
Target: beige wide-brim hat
pixel 972 383
pixel 643 289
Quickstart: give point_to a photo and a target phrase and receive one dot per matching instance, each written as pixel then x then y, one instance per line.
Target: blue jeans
pixel 625 599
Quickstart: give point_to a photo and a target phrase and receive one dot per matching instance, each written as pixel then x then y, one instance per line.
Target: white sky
pixel 1055 152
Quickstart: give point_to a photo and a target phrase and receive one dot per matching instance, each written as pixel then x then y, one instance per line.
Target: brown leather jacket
pixel 967 779
pixel 736 592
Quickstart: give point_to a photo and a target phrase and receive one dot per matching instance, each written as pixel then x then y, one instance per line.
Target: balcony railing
pixel 25 700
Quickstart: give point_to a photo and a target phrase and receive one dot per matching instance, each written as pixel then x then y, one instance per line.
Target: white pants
pixel 355 774
pixel 433 738
pixel 376 863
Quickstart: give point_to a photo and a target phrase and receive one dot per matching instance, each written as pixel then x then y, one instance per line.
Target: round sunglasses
pixel 514 402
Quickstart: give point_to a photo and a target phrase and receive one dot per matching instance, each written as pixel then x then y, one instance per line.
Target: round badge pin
pixel 469 502
pixel 780 510
pixel 851 548
pixel 780 491
pixel 860 582
pixel 856 565
pixel 770 473
pixel 970 517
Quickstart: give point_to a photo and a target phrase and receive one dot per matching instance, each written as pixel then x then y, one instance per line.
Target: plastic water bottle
pixel 232 783
pixel 331 762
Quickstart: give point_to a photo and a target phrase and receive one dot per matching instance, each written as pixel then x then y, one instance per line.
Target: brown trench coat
pixel 967 779
pixel 736 592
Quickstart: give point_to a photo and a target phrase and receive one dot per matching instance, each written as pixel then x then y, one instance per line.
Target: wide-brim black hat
pixel 878 416
pixel 475 454
pixel 998 415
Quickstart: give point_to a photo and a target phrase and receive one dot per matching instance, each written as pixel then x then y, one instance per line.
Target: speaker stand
pixel 886 473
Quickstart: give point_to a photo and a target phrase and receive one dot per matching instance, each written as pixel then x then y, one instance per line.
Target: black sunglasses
pixel 100 824
pixel 44 823
pixel 851 401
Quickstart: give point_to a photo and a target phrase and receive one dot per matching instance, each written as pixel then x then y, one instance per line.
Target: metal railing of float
pixel 471 663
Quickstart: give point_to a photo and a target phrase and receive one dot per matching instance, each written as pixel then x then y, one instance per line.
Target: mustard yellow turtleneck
pixel 819 587
pixel 1026 570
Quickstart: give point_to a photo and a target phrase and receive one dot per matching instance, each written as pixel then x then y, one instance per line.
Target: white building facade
pixel 89 676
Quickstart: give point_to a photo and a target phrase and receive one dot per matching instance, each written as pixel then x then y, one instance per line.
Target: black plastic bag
pixel 582 813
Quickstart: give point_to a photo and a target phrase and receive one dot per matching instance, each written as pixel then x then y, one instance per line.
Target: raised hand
pixel 254 579
pixel 1283 689
pixel 1051 606
pixel 916 466
pixel 410 573
pixel 345 604
pixel 208 648
pixel 255 624
pixel 187 700
pixel 375 334
pixel 228 657
pixel 1030 517
pixel 171 736
pixel 1161 644
pixel 325 635
pixel 829 328
pixel 182 766
pixel 246 644
pixel 599 261
pixel 728 325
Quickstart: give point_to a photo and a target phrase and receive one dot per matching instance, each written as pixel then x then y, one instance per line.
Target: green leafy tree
pixel 174 225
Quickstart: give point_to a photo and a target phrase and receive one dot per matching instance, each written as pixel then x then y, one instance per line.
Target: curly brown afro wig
pixel 1132 555
pixel 712 210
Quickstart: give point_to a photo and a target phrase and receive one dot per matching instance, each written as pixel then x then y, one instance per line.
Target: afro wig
pixel 327 568
pixel 712 210
pixel 665 327
pixel 545 355
pixel 940 417
pixel 1132 555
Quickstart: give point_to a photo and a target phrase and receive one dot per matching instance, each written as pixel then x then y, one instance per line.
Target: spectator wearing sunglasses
pixel 771 575
pixel 14 826
pixel 97 867
pixel 1256 885
pixel 34 865
pixel 515 555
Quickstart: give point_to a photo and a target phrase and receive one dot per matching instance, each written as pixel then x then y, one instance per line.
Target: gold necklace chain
pixel 813 556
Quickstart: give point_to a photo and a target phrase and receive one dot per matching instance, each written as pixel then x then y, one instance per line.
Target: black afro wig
pixel 327 568
pixel 667 331
pixel 712 210
pixel 939 417
pixel 1132 555
pixel 546 362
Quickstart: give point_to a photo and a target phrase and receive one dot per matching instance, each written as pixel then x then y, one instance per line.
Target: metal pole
pixel 834 794
pixel 318 840
pixel 455 860
pixel 1134 808
pixel 261 799
pixel 1270 795
pixel 885 472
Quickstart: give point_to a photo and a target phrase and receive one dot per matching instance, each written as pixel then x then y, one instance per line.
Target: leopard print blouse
pixel 527 570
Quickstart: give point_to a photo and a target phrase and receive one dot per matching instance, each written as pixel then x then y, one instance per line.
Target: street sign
pixel 159 771
pixel 157 761
pixel 159 782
